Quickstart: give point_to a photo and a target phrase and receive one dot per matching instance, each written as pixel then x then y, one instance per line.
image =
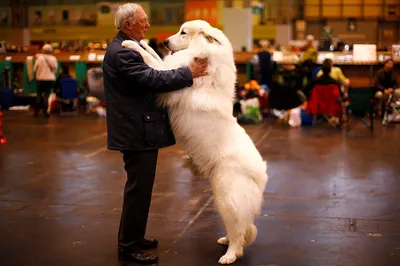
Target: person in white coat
pixel 45 68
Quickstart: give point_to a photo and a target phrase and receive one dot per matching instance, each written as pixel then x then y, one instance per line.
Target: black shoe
pixel 149 244
pixel 137 256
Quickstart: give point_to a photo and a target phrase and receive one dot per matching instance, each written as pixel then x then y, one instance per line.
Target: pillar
pixel 19 23
pixel 284 27
pixel 239 31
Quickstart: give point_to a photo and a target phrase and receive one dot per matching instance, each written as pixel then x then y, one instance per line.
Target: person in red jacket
pixel 324 79
pixel 324 102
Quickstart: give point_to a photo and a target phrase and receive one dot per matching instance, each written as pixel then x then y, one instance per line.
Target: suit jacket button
pixel 148 117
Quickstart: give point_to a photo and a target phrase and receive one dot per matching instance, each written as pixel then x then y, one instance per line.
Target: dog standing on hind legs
pixel 202 122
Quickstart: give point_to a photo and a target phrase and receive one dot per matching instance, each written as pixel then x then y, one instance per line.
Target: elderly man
pixel 136 127
pixel 386 82
pixel 45 68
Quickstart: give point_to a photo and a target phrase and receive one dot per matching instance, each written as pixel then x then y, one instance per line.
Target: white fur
pixel 202 121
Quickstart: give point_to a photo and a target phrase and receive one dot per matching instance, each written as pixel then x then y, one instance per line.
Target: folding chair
pixel 325 102
pixel 69 97
pixel 360 108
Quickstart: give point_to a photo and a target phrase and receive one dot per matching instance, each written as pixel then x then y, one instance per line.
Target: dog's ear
pixel 209 37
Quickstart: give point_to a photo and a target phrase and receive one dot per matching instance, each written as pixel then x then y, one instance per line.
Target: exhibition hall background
pixel 356 21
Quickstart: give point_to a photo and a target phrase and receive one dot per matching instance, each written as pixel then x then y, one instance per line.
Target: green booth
pixel 80 72
pixel 3 65
pixel 30 86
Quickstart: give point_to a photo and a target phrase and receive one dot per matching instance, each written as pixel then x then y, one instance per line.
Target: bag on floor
pixel 52 102
pixel 295 117
pixel 251 112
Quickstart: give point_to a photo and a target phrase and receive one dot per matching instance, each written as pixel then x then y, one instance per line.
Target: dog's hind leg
pixel 237 200
pixel 250 237
pixel 236 230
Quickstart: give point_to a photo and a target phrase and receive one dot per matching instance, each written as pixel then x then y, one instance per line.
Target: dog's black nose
pixel 166 41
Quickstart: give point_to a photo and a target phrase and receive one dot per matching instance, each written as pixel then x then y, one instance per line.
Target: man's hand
pixel 199 67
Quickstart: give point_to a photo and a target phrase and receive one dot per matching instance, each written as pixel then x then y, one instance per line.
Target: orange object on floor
pixel 3 140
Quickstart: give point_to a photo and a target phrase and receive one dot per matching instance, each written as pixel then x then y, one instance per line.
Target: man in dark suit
pixel 136 127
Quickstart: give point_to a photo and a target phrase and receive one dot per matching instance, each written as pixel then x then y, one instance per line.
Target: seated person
pixel 324 79
pixel 63 74
pixel 57 86
pixel 386 82
pixel 337 74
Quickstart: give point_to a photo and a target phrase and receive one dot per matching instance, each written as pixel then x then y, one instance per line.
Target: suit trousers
pixel 140 167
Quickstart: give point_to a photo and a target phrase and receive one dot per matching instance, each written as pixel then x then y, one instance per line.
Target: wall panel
pixel 331 11
pixel 311 8
pixel 352 11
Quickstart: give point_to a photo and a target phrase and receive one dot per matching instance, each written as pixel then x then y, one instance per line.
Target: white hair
pixel 47 48
pixel 125 12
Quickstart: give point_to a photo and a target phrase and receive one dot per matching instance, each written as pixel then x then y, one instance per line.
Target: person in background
pixel 136 126
pixel 324 79
pixel 337 74
pixel 58 89
pixel 63 75
pixel 262 64
pixel 339 47
pixel 45 68
pixel 310 53
pixel 309 58
pixel 386 82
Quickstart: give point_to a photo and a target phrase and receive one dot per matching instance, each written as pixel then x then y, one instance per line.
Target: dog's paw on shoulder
pixel 130 44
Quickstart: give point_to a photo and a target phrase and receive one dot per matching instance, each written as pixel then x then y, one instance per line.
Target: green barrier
pixel 249 71
pixel 58 69
pixel 3 65
pixel 30 87
pixel 80 72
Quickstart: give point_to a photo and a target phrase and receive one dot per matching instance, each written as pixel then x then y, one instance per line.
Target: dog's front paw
pixel 227 259
pixel 130 44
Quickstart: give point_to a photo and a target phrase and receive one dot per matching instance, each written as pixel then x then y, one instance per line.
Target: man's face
pixel 139 29
pixel 389 66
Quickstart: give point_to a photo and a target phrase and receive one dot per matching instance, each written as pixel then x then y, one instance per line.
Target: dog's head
pixel 190 31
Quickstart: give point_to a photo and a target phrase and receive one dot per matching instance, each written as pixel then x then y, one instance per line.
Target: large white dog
pixel 203 123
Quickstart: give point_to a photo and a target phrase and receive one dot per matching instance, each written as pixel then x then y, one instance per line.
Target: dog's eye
pixel 183 33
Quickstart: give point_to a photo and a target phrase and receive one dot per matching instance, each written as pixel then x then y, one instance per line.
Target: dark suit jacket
pixel 133 120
